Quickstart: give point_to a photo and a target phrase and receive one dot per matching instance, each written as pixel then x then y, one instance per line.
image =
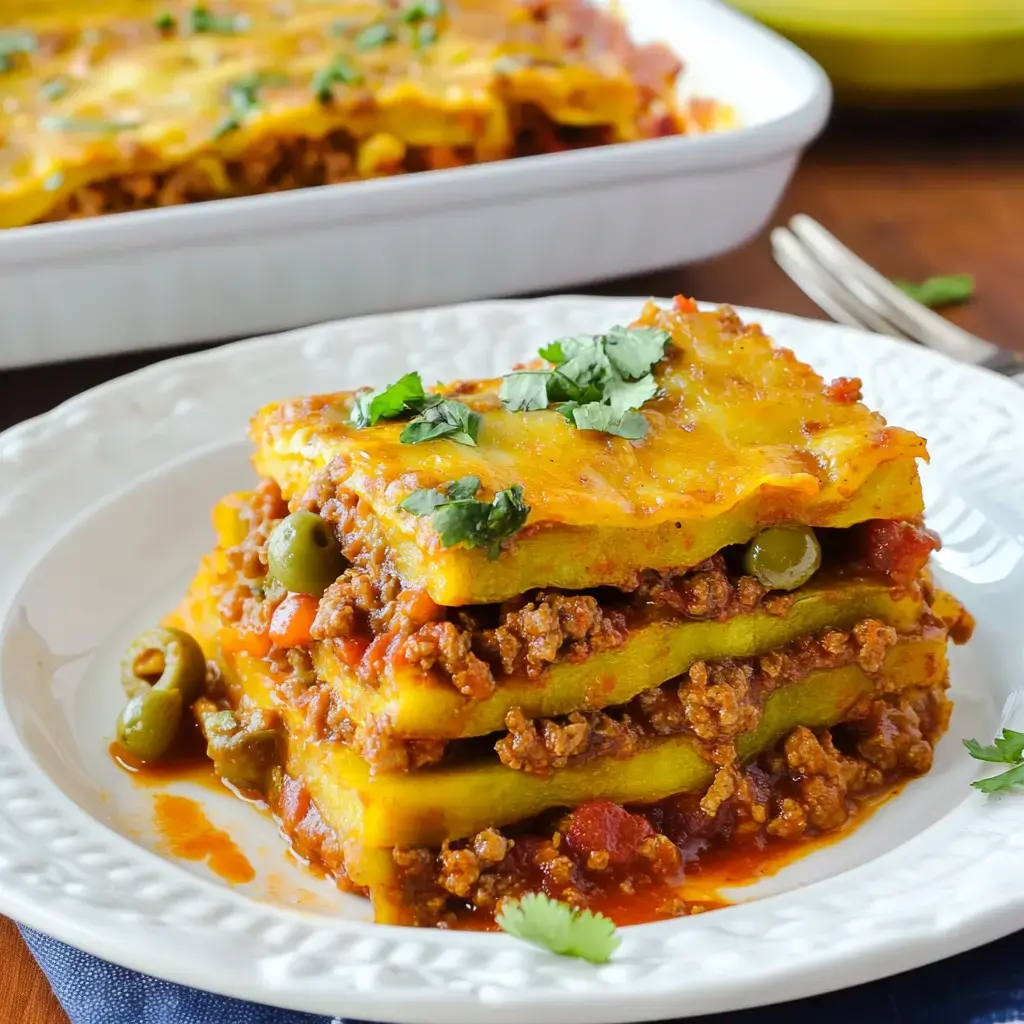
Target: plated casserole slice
pixel 117 105
pixel 491 640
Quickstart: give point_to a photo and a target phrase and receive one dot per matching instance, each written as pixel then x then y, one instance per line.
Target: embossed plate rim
pixel 65 873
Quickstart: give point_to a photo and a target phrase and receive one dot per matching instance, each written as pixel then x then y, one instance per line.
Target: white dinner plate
pixel 104 511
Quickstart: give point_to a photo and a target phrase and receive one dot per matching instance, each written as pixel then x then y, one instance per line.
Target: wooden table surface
pixel 914 195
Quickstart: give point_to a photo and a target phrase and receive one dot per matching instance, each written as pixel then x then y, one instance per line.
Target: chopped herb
pixel 943 290
pixel 559 927
pixel 17 42
pixel 426 34
pixel 436 417
pixel 57 123
pixel 243 99
pixel 442 417
pixel 599 379
pixel 422 10
pixel 203 20
pixel 53 182
pixel 165 22
pixel 388 402
pixel 12 43
pixel 595 416
pixel 459 517
pixel 54 89
pixel 1006 749
pixel 375 35
pixel 338 72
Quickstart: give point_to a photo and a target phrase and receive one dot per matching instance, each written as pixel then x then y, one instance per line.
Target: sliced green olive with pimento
pixel 163 671
pixel 148 725
pixel 164 658
pixel 303 554
pixel 783 557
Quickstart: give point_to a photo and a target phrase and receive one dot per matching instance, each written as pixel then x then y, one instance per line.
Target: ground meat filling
pixel 809 783
pixel 372 618
pixel 715 702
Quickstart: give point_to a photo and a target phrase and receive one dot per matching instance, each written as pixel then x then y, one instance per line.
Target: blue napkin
pixel 984 986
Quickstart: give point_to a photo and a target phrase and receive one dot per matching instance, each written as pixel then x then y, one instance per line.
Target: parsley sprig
pixel 15 42
pixel 459 517
pixel 435 418
pixel 559 927
pixel 1006 749
pixel 599 381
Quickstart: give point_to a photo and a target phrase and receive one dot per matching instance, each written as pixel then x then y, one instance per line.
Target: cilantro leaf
pixel 559 927
pixel 443 418
pixel 943 290
pixel 203 20
pixel 461 518
pixel 1007 749
pixel 599 380
pixel 525 390
pixel 165 22
pixel 464 488
pixel 243 99
pixel 997 783
pixel 419 11
pixel 338 72
pixel 624 395
pixel 17 41
pixel 597 416
pixel 374 35
pixel 54 89
pixel 423 502
pixel 388 402
pixel 633 351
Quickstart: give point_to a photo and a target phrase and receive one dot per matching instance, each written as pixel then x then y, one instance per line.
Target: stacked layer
pixel 478 646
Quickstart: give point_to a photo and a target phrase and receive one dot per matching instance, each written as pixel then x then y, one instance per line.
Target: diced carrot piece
pixel 293 619
pixel 684 305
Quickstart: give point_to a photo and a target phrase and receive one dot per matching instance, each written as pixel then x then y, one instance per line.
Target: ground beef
pixel 542 746
pixel 714 701
pixel 265 509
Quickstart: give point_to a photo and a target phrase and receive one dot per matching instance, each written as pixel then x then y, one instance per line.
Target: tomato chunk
pixel 293 619
pixel 899 549
pixel 844 390
pixel 602 825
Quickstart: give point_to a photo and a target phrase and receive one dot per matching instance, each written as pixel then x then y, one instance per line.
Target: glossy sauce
pixel 190 835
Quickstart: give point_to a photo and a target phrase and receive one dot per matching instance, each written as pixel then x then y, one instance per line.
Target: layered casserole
pixel 661 590
pixel 117 105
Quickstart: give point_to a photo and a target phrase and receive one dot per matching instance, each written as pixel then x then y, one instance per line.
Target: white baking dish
pixel 244 266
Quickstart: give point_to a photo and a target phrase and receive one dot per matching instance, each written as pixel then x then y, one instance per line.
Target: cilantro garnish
pixel 165 22
pixel 374 35
pixel 559 927
pixel 943 290
pixel 243 99
pixel 601 380
pixel 338 72
pixel 12 43
pixel 436 417
pixel 1006 749
pixel 420 10
pixel 56 123
pixel 203 20
pixel 459 517
pixel 54 89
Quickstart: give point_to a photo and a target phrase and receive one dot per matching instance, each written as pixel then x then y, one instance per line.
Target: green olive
pixel 164 658
pixel 783 557
pixel 149 723
pixel 304 555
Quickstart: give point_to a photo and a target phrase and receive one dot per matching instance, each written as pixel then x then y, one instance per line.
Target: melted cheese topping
pixel 97 89
pixel 742 435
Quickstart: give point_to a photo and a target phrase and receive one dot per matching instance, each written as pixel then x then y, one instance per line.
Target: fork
pixel 852 292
